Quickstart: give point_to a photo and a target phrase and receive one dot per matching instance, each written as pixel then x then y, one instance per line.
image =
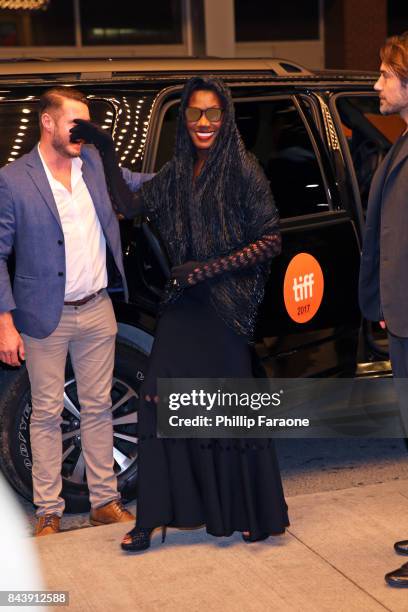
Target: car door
pixel 309 321
pixel 367 136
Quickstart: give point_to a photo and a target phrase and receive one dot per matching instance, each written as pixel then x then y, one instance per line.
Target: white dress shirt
pixel 85 244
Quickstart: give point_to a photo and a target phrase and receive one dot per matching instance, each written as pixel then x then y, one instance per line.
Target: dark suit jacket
pixel 29 222
pixel 383 286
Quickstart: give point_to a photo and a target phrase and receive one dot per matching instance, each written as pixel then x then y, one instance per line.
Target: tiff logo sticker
pixel 303 287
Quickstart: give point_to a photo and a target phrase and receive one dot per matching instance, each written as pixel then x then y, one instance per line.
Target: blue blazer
pixel 29 222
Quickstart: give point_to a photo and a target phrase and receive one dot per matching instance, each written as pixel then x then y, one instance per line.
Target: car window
pixel 19 126
pixel 369 136
pixel 274 131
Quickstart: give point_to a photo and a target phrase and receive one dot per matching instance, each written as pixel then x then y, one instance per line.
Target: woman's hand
pixel 183 276
pixel 92 134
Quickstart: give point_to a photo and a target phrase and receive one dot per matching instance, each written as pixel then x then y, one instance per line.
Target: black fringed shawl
pixel 226 207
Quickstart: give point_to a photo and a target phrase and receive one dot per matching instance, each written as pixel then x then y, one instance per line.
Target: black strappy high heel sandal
pixel 140 537
pixel 250 538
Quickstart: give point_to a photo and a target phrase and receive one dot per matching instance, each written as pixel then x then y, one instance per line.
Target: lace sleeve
pixel 251 255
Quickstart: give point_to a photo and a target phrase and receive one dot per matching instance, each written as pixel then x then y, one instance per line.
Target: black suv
pixel 319 138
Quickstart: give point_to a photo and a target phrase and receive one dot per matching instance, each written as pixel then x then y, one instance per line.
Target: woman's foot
pixel 247 537
pixel 138 539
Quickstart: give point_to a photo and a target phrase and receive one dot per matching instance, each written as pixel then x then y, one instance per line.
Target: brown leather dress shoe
pixel 46 525
pixel 113 512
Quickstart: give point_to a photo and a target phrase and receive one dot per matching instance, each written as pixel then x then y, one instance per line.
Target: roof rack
pixel 86 68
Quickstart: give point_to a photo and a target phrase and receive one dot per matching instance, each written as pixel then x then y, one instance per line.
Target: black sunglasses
pixel 194 114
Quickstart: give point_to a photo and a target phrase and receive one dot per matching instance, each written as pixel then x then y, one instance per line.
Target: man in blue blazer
pixel 56 213
pixel 384 263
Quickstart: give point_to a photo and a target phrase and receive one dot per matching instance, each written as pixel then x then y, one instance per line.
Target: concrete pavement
pixel 333 558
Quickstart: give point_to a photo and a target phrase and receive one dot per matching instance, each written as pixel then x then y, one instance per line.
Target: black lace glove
pixel 180 274
pixel 93 134
pixel 192 272
pixel 124 201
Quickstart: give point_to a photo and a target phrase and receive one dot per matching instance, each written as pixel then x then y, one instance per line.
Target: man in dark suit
pixel 56 213
pixel 383 289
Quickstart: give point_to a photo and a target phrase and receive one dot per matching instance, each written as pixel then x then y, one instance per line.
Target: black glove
pixel 182 276
pixel 193 272
pixel 92 134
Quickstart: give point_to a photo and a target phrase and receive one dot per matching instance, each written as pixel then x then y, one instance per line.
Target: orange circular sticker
pixel 303 287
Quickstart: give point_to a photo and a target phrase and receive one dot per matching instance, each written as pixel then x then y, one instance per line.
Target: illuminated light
pixel 30 5
pixel 108 120
pixel 141 100
pixel 26 111
pixel 117 149
pixel 20 134
pixel 123 131
pixel 24 120
pixel 127 123
pixel 120 137
pixel 13 153
pixel 18 140
pixel 313 186
pixel 132 141
pixel 10 159
pixel 123 157
pixel 109 113
pixel 16 147
pixel 23 127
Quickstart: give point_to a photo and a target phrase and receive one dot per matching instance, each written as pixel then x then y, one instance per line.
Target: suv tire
pixel 15 412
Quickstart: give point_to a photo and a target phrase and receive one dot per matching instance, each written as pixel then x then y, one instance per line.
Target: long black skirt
pixel 227 484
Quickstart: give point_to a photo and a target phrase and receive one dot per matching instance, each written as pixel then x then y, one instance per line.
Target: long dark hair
pixel 228 206
pixel 204 218
pixel 215 189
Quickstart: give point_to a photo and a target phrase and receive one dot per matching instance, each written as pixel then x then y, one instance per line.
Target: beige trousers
pixel 87 333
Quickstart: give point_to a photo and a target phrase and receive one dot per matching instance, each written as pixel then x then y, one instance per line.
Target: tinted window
pixel 157 22
pixel 262 20
pixel 369 135
pixel 53 26
pixel 397 16
pixel 19 126
pixel 274 131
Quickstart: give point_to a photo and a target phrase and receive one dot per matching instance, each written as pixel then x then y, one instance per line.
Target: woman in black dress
pixel 213 207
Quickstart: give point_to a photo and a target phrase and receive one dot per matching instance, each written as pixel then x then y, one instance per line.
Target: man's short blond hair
pixel 53 99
